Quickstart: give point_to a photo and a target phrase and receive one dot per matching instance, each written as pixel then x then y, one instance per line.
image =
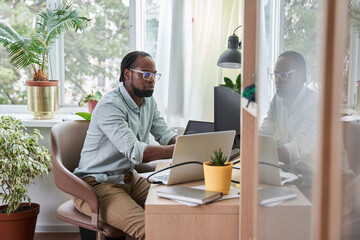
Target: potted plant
pixel 91 100
pixel 217 173
pixel 22 159
pixel 32 51
pixel 236 87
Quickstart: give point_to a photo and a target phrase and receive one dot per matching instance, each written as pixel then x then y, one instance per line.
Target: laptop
pixel 194 147
pixel 194 127
pixel 268 160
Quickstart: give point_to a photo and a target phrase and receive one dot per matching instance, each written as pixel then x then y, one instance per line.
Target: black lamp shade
pixel 231 57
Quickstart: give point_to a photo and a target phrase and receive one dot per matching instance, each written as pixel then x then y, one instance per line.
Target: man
pixel 117 140
pixel 292 117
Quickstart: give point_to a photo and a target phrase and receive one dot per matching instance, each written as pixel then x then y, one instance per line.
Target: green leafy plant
pixel 22 159
pixel 218 159
pixel 84 115
pixel 94 97
pixel 234 86
pixel 33 50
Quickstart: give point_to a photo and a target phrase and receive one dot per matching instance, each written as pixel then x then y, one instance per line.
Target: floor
pixel 57 236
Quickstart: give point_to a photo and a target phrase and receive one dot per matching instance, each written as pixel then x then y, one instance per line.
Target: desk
pixel 166 219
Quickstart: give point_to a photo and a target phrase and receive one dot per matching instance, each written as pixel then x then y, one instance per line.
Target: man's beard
pixel 141 93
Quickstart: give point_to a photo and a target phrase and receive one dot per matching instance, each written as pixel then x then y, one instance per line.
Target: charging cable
pixel 282 168
pixel 167 168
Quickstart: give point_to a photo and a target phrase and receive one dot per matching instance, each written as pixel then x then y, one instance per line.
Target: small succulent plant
pixel 218 159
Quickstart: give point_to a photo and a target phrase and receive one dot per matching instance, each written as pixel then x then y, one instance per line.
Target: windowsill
pixel 29 121
pixel 20 112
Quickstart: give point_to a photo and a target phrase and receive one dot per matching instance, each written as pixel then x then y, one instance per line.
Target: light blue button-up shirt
pixel 118 135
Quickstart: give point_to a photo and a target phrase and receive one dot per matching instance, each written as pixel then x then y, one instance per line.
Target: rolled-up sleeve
pixel 159 128
pixel 112 120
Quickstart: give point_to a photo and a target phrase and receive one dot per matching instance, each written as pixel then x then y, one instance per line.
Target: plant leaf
pixel 85 115
pixel 228 82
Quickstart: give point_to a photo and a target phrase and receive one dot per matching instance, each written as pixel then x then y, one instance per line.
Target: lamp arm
pixel 237 29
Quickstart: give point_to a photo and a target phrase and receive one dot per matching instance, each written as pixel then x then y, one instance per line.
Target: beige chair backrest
pixel 70 135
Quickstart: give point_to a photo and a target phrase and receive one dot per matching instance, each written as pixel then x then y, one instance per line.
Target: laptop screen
pixel 198 127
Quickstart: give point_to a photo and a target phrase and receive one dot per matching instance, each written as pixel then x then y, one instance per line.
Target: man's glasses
pixel 148 75
pixel 283 76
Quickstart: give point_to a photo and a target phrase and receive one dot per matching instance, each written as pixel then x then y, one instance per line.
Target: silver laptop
pixel 269 171
pixel 195 147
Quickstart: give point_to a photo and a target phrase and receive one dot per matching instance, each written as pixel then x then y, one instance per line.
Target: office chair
pixel 67 139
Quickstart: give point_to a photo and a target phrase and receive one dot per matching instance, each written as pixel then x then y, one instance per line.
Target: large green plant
pixel 33 50
pixel 22 159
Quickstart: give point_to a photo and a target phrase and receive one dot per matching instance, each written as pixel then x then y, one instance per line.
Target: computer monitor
pixel 227 111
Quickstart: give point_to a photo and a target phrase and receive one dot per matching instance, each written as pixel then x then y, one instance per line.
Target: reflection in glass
pixel 288 113
pixel 351 129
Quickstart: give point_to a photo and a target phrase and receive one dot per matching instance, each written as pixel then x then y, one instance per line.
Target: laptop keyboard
pixel 162 177
pixel 234 153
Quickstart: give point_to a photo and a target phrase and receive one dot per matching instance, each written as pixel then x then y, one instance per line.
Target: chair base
pixel 87 234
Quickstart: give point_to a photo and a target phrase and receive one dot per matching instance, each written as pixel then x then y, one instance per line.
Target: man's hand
pixel 283 155
pixel 173 140
pixel 152 153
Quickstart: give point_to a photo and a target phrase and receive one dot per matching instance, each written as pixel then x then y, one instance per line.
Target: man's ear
pixel 127 74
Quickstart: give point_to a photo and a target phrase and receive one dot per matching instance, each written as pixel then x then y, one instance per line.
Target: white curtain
pixel 191 37
pixel 263 83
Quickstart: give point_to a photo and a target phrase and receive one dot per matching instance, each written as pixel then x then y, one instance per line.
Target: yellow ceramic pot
pixel 218 178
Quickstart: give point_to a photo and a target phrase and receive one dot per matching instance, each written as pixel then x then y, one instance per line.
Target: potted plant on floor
pixel 32 51
pixel 218 173
pixel 22 159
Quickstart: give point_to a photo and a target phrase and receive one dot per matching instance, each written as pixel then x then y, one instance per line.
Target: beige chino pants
pixel 121 205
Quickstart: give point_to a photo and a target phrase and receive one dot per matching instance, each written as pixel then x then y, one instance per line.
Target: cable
pixel 276 166
pixel 176 165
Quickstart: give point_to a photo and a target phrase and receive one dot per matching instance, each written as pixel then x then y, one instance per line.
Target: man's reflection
pixel 292 117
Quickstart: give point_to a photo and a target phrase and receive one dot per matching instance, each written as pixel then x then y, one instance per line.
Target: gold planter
pixel 43 98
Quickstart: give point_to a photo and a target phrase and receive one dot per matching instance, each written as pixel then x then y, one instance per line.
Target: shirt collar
pixel 128 99
pixel 299 98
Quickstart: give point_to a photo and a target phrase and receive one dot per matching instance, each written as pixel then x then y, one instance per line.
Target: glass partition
pixel 288 116
pixel 350 156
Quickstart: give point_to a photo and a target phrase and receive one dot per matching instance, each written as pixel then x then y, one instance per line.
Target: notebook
pixel 187 194
pixel 194 147
pixel 268 156
pixel 275 194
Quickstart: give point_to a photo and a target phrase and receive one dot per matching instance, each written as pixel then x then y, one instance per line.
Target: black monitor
pixel 227 111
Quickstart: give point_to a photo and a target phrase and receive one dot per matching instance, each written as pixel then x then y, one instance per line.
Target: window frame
pixel 57 62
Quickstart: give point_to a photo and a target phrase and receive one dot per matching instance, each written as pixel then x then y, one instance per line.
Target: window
pixel 83 61
pixel 93 57
pixel 19 15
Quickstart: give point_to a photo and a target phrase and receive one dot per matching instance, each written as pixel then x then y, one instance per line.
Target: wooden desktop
pixel 166 219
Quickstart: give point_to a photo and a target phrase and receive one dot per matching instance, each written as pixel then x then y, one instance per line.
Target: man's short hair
pixel 298 60
pixel 129 61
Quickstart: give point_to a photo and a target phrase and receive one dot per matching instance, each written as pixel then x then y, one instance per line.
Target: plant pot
pixel 43 98
pixel 19 225
pixel 218 178
pixel 91 105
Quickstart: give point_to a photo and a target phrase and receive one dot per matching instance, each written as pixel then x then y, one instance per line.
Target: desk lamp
pixel 231 57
